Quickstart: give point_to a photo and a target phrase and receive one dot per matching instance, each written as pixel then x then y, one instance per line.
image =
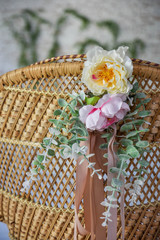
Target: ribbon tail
pixel 81 178
pixel 112 226
pixel 122 210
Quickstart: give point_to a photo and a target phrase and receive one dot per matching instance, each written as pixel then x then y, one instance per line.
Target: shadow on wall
pixel 27 27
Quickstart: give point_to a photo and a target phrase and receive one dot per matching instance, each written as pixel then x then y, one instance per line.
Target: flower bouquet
pixel 101 128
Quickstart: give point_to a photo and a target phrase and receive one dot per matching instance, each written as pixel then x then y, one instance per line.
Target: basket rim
pixel 83 57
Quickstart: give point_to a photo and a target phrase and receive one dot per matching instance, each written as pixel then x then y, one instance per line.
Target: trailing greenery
pixel 28 35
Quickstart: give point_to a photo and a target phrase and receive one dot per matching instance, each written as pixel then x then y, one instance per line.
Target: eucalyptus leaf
pixel 103 146
pixel 132 151
pixel 73 103
pixel 144 113
pixel 142 144
pixel 143 163
pixel 126 127
pixel 116 182
pixel 114 170
pixel 140 95
pixel 121 151
pixel 135 87
pixel 47 141
pixel 131 134
pixel 132 114
pixel 105 155
pixel 35 162
pixel 57 122
pixel 109 188
pixel 63 139
pixel 124 164
pixel 106 135
pixel 79 131
pixel 138 121
pixel 125 173
pixel 62 102
pixel 51 152
pixel 126 142
pixel 57 112
pixel 40 158
pixel 124 157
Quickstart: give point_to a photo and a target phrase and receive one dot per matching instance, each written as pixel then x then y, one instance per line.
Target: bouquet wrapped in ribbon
pixel 100 124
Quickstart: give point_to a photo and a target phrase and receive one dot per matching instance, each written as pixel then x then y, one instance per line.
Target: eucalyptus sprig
pixel 129 146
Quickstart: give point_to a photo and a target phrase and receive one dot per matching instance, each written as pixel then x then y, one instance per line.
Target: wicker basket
pixel 28 97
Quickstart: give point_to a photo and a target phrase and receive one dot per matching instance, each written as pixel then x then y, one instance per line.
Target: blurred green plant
pixel 28 34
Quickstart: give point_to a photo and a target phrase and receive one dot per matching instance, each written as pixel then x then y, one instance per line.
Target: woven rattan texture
pixel 28 97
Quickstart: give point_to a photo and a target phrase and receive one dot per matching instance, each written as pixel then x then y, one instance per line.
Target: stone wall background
pixel 137 19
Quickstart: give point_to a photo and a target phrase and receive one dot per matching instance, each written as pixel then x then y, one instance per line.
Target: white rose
pixel 107 71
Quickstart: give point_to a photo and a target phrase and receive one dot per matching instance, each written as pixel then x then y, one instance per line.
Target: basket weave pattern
pixel 28 97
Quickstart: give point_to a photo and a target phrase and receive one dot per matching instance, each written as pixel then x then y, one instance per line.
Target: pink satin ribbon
pixel 91 189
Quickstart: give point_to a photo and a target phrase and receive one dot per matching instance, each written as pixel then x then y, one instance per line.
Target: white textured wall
pixel 137 19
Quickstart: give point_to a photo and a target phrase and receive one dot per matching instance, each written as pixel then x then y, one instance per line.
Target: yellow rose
pixel 107 71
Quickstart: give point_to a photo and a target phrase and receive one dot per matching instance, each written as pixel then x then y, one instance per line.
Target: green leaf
pixel 131 134
pixel 105 155
pixel 135 87
pixel 132 114
pixel 144 130
pixel 125 173
pixel 114 170
pixel 106 135
pixel 46 141
pixel 79 131
pixel 132 151
pixel 57 122
pixel 116 182
pixel 138 121
pixel 124 166
pixel 123 157
pixel 62 102
pixel 40 158
pixel 126 142
pixel 142 144
pixel 144 113
pixel 109 188
pixel 35 162
pixel 63 139
pixel 42 166
pixel 57 112
pixel 140 95
pixel 43 146
pixel 92 100
pixel 143 163
pixel 121 151
pixel 51 152
pixel 126 127
pixel 146 100
pixel 103 146
pixel 74 103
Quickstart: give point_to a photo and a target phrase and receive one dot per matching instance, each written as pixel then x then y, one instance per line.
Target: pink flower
pixel 108 110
